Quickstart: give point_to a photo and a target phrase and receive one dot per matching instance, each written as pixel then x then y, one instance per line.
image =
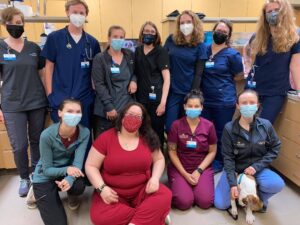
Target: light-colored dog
pixel 248 197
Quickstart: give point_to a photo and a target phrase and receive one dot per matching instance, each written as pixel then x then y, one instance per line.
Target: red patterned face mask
pixel 132 123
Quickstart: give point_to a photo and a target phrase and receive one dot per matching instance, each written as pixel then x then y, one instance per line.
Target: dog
pixel 248 198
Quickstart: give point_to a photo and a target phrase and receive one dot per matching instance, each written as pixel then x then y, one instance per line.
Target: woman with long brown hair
pixel 275 50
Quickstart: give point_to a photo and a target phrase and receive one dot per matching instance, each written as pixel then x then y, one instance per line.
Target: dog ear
pixel 256 203
pixel 245 200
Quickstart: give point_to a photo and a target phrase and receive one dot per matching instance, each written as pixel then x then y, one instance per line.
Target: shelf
pixel 46 19
pixel 216 19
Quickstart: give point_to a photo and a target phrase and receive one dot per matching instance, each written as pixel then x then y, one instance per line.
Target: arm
pixel 212 151
pixel 295 71
pixel 198 74
pixel 1 116
pixel 42 76
pixel 49 68
pixel 272 153
pixel 165 91
pixel 172 150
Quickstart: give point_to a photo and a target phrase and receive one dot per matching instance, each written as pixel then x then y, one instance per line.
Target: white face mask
pixel 186 28
pixel 77 20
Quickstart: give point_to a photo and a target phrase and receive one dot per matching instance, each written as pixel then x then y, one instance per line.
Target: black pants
pixel 49 202
pixel 157 122
pixel 100 124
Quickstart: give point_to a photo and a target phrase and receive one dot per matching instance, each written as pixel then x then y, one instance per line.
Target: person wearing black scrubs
pixel 276 49
pixel 153 76
pixel 223 67
pixel 23 99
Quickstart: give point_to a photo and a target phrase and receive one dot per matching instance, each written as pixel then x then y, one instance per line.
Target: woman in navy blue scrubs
pixel 221 70
pixel 276 49
pixel 187 57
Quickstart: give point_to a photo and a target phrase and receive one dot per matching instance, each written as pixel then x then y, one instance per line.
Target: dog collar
pixel 240 178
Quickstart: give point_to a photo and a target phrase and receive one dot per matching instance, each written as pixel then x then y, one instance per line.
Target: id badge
pixel 152 96
pixel 85 65
pixel 115 70
pixel 191 144
pixel 209 64
pixel 251 84
pixel 9 57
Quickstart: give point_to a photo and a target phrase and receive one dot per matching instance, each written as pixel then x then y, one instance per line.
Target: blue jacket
pixel 55 158
pixel 241 149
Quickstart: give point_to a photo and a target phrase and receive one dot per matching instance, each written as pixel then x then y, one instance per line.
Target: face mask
pixel 272 18
pixel 193 113
pixel 77 20
pixel 117 44
pixel 72 119
pixel 149 39
pixel 15 31
pixel 219 38
pixel 187 28
pixel 131 123
pixel 248 111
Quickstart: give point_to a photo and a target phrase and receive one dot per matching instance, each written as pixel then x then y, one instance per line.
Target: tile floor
pixel 284 209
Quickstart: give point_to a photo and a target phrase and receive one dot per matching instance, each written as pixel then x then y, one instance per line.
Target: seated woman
pixel 249 145
pixel 62 147
pixel 192 148
pixel 119 167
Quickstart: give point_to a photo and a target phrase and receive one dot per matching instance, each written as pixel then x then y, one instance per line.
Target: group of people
pixel 129 100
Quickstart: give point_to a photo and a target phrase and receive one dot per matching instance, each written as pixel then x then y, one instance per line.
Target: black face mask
pixel 219 38
pixel 15 31
pixel 149 39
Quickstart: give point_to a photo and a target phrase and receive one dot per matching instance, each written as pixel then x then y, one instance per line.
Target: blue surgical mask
pixel 272 18
pixel 192 113
pixel 71 119
pixel 248 111
pixel 117 44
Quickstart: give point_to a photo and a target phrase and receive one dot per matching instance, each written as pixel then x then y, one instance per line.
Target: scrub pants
pixel 269 183
pixel 22 126
pixel 174 108
pixel 144 209
pixel 186 195
pixel 271 106
pixel 219 116
pixel 49 203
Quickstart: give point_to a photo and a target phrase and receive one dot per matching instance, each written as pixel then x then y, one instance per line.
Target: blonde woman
pixel 275 50
pixel 187 56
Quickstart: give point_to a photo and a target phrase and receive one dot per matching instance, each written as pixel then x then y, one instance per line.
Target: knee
pixel 221 203
pixel 273 186
pixel 183 202
pixel 204 201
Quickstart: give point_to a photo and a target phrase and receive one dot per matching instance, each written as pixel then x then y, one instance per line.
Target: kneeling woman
pixel 192 148
pixel 249 145
pixel 62 147
pixel 119 167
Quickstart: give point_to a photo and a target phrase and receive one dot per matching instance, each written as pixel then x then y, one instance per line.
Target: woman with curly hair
pixel 187 57
pixel 275 50
pixel 124 166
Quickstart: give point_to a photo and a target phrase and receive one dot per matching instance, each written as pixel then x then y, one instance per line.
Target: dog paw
pixel 234 211
pixel 250 219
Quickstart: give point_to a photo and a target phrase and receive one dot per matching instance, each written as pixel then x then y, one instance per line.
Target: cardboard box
pixel 2 126
pixel 4 141
pixel 8 159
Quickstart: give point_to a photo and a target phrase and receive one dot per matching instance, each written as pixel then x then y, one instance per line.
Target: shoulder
pixel 161 50
pixel 91 38
pixel 170 39
pixel 33 45
pixel 232 51
pixel 52 130
pixel 229 126
pixel 127 52
pixel 110 133
pixel 83 131
pixel 179 123
pixel 264 122
pixel 206 122
pixel 57 33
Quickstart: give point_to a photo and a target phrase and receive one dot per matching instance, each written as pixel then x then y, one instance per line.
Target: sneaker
pixel 73 202
pixel 168 220
pixel 263 209
pixel 30 199
pixel 24 187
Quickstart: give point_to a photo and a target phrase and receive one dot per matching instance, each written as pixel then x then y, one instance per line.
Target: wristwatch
pixel 100 189
pixel 200 170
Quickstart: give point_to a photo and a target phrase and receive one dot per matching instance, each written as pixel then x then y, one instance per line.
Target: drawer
pixel 291 110
pixel 290 150
pixel 289 129
pixel 2 127
pixel 8 159
pixel 288 168
pixel 4 141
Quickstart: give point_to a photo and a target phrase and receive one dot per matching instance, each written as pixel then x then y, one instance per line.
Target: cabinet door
pixel 208 7
pixel 171 5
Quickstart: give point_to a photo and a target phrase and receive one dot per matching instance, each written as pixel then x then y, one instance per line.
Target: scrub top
pixel 183 63
pixel 148 69
pixel 272 71
pixel 22 88
pixel 72 66
pixel 218 85
pixel 181 135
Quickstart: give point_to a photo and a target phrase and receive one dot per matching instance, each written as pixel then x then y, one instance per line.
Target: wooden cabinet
pixel 6 155
pixel 288 130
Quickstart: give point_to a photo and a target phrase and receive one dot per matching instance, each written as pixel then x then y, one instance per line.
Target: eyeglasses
pixel 134 115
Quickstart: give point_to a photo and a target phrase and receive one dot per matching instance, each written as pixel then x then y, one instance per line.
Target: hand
pixel 196 176
pixel 190 179
pixel 109 196
pixel 298 94
pixel 63 185
pixel 132 87
pixel 74 172
pixel 161 109
pixel 234 192
pixel 152 185
pixel 112 115
pixel 250 171
pixel 1 116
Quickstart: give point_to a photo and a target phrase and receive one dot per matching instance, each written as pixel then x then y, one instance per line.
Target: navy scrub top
pixel 272 71
pixel 218 85
pixel 183 63
pixel 72 75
